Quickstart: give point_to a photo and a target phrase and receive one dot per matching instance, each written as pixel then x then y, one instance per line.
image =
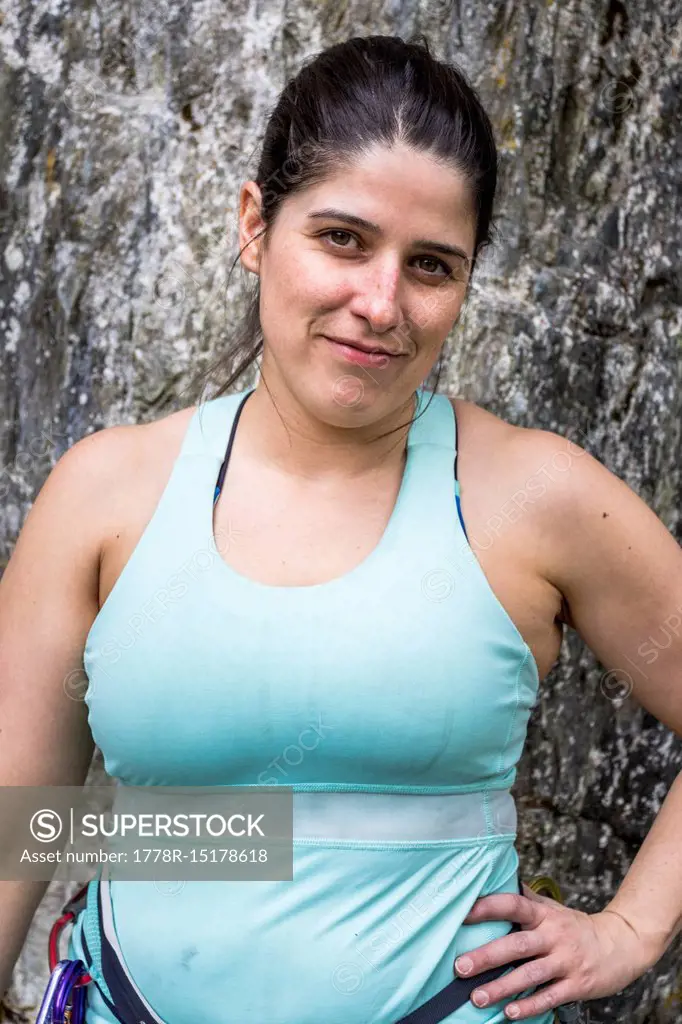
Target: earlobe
pixel 250 256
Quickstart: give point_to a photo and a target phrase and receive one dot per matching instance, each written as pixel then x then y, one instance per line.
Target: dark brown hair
pixel 342 102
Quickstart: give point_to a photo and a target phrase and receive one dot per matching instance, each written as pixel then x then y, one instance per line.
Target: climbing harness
pixel 65 997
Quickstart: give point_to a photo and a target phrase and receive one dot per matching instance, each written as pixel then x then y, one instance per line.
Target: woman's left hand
pixel 587 956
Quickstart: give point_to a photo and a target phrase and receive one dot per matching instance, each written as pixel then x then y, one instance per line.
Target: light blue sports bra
pixel 200 676
pixel 406 675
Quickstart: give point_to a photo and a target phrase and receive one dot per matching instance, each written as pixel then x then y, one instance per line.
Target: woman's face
pixel 322 277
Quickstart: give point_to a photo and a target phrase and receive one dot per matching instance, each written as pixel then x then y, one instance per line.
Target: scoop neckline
pixel 353 575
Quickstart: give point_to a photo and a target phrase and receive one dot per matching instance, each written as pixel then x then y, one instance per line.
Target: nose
pixel 377 297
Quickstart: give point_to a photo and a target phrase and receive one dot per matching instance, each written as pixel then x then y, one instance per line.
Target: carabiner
pixel 64 999
pixel 544 884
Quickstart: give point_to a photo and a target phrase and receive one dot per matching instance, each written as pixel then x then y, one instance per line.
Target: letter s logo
pixel 46 826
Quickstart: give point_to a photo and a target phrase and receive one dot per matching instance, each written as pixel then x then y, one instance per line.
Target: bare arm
pixel 620 572
pixel 48 599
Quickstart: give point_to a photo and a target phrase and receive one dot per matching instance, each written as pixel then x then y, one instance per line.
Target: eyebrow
pixel 368 225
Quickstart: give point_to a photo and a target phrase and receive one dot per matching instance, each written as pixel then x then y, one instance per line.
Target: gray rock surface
pixel 125 132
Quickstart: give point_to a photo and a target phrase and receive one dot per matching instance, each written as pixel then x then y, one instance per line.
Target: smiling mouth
pixel 350 354
pixel 361 348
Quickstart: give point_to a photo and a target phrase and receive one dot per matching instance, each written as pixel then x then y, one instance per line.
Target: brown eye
pixel 435 260
pixel 337 231
pixel 327 235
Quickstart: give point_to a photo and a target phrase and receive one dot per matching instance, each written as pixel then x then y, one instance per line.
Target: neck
pixel 285 435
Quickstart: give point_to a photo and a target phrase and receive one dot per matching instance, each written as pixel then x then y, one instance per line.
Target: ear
pixel 250 224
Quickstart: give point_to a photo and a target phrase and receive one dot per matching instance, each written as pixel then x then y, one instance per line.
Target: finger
pixel 536 972
pixel 505 950
pixel 547 999
pixel 508 906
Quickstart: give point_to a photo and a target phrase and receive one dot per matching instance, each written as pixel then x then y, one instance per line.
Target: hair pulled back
pixel 344 101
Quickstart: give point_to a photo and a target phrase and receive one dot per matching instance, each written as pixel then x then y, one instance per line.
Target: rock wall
pixel 125 133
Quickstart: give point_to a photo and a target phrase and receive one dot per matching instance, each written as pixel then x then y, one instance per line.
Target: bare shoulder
pixel 508 467
pixel 523 477
pixel 129 448
pixel 538 460
pixel 124 468
pixel 481 430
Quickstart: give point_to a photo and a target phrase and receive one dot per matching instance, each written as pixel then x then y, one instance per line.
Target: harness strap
pixel 127 1003
pixel 458 991
pixel 120 1012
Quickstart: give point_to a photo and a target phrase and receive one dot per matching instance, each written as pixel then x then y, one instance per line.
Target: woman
pixel 339 598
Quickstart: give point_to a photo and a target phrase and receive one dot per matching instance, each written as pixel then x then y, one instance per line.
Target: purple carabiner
pixel 65 989
pixel 60 987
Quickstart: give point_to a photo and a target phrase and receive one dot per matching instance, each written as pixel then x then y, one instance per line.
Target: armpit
pixel 565 614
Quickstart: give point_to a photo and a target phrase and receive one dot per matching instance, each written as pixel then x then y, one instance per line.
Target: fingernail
pixel 464 964
pixel 481 998
pixel 512 1011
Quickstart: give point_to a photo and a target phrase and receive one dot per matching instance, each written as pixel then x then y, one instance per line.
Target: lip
pixel 362 346
pixel 376 360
